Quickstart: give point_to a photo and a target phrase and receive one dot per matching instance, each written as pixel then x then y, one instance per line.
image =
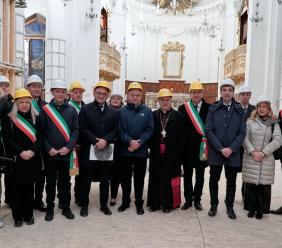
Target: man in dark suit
pixel 225 130
pixel 245 94
pixel 195 109
pixel 99 128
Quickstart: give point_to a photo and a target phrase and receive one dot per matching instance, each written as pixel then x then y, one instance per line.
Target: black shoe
pixel 40 207
pixel 113 202
pixel 18 223
pixel 29 221
pixel 166 210
pixel 186 205
pixel 213 211
pixel 68 213
pixel 259 216
pixel 231 214
pixel 153 209
pixel 198 206
pixel 122 208
pixel 49 215
pixel 140 210
pixel 251 214
pixel 277 211
pixel 77 202
pixel 84 212
pixel 106 211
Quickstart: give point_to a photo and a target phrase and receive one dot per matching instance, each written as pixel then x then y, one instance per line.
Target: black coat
pixel 15 142
pixel 52 136
pixel 93 125
pixel 191 153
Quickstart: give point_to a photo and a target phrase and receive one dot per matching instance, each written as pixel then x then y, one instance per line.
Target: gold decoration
pixel 172 59
pixel 174 6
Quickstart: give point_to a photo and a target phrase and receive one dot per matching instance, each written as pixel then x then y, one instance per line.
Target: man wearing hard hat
pixel 34 86
pixel 225 131
pixel 136 128
pixel 196 152
pixel 76 90
pixel 6 105
pixel 245 94
pixel 98 125
pixel 59 129
pixel 166 147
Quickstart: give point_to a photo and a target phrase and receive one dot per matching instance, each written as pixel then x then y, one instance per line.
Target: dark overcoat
pixel 225 128
pixel 191 153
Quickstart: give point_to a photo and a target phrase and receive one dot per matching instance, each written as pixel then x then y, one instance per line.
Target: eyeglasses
pixel 101 94
pixel 134 95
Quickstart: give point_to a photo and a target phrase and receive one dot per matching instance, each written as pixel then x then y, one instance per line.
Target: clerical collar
pixel 165 112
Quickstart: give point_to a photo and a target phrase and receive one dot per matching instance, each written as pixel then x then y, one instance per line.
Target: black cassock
pixel 166 167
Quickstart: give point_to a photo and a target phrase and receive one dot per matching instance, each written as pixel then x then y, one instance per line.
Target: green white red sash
pixel 200 127
pixel 75 105
pixel 35 105
pixel 61 124
pixel 25 127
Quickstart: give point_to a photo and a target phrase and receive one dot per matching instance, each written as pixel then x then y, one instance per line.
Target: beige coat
pixel 259 137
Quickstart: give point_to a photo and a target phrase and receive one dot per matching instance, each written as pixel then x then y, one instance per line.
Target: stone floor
pixel 189 228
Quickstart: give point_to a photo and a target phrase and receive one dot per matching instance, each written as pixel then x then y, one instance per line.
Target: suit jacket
pixel 94 124
pixel 191 152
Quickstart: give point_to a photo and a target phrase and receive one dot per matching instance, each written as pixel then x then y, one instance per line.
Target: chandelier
pixel 173 6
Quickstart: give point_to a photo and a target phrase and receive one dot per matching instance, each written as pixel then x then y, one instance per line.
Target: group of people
pixel 110 142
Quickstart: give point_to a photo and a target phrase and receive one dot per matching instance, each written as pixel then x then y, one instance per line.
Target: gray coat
pixel 260 137
pixel 225 129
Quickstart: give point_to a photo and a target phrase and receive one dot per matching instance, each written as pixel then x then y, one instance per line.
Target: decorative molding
pixel 172 59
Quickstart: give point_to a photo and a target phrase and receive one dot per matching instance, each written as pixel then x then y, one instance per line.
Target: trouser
pixel 38 189
pixel 193 193
pixel 77 186
pixel 22 201
pixel 115 177
pixel 87 174
pixel 57 174
pixel 230 175
pixel 136 165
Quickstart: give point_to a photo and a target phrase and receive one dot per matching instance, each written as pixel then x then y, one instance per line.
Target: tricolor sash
pixel 75 105
pixel 35 106
pixel 200 127
pixel 61 124
pixel 25 127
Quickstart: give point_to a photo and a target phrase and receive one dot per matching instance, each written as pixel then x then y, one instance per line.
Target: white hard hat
pixel 4 79
pixel 263 98
pixel 227 82
pixel 34 79
pixel 244 89
pixel 116 93
pixel 59 84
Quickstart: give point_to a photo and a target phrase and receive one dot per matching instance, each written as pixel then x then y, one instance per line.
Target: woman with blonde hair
pixel 263 137
pixel 21 141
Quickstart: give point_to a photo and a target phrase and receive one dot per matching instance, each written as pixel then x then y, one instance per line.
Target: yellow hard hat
pixel 22 93
pixel 164 92
pixel 196 85
pixel 76 85
pixel 135 85
pixel 104 84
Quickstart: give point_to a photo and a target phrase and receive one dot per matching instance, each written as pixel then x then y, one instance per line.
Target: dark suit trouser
pixel 38 189
pixel 230 175
pixel 137 166
pixel 195 193
pixel 115 177
pixel 22 200
pixel 87 174
pixel 57 174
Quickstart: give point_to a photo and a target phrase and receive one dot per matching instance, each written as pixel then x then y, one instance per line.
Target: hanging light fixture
pixel 91 14
pixel 173 6
pixel 65 2
pixel 256 17
pixel 20 4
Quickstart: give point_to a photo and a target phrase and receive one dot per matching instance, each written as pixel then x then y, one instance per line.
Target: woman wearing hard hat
pixel 21 140
pixel 263 137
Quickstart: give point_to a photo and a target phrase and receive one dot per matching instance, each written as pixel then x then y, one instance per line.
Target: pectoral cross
pixel 163 133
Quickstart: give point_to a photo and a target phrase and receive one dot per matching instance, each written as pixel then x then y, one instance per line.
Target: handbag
pixel 7 165
pixel 277 154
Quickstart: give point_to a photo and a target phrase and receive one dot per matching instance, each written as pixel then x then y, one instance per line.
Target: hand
pixel 135 144
pixel 101 144
pixel 130 149
pixel 31 153
pixel 64 151
pixel 77 147
pixel 26 155
pixel 257 156
pixel 53 152
pixel 226 152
